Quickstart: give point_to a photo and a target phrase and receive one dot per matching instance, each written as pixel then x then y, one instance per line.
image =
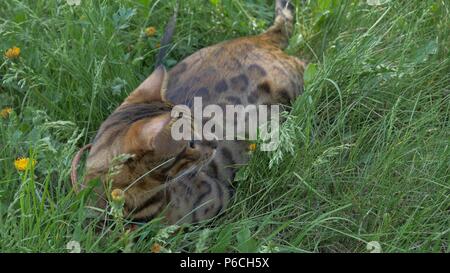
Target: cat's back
pixel 247 70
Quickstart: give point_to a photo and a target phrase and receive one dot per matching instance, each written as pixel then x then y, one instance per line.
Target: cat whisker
pixel 145 174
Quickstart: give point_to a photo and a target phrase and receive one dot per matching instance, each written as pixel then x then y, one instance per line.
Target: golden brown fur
pixel 193 180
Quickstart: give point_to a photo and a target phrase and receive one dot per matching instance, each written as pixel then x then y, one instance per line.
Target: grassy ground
pixel 364 155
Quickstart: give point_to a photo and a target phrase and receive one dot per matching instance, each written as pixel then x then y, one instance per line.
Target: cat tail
pixel 167 36
pixel 282 28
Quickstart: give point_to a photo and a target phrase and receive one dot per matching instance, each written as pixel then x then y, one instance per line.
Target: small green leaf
pixel 246 243
pixel 123 17
pixel 423 53
pixel 241 175
pixel 324 5
pixel 214 2
pixel 201 244
pixel 169 62
pixel 223 240
pixel 20 17
pixel 145 3
pixel 310 73
pixel 118 86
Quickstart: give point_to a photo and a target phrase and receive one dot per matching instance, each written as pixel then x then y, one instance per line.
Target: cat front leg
pixel 198 198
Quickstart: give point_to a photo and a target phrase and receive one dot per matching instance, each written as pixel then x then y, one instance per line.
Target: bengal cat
pixel 190 181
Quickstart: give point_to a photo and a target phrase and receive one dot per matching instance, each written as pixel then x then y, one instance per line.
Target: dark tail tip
pixel 167 36
pixel 284 5
pixel 282 28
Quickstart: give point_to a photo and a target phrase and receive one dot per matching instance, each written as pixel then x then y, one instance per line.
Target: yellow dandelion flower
pixel 150 31
pixel 156 248
pixel 24 163
pixel 252 147
pixel 5 112
pixel 12 53
pixel 117 195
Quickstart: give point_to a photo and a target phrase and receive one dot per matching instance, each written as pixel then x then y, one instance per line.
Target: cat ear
pixel 151 89
pixel 151 134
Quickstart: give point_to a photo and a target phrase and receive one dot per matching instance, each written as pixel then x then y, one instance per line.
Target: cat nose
pixel 192 144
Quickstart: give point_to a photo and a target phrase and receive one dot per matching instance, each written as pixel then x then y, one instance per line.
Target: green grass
pixel 365 151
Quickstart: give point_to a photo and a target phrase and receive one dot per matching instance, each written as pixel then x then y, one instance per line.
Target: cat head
pixel 141 127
